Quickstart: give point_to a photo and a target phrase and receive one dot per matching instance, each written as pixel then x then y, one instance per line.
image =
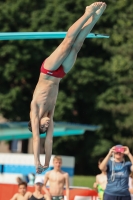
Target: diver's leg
pixel 58 56
pixel 71 58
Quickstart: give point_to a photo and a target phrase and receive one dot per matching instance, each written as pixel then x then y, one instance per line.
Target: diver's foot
pixel 39 169
pixel 90 10
pixel 100 11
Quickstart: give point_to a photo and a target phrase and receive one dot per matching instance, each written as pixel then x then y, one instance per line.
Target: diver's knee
pixel 77 47
pixel 67 45
pixel 49 141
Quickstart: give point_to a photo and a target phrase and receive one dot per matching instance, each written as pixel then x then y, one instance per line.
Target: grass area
pixel 84 181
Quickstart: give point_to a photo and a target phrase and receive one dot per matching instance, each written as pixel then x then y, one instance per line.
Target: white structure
pixel 21 165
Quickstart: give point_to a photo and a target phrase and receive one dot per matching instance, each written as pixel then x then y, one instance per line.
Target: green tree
pixel 117 99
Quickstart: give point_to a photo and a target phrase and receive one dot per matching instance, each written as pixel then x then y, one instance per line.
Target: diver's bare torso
pixel 45 94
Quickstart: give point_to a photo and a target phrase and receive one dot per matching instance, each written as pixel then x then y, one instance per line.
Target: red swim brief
pixel 59 73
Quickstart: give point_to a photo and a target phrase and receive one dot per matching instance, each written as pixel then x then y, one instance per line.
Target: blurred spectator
pixel 37 194
pixel 101 181
pixel 22 190
pixel 58 179
pixel 118 171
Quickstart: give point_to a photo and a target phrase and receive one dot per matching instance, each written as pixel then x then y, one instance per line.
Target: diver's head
pixel 43 126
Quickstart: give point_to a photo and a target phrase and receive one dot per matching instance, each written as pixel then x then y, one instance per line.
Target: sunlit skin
pixel 57 180
pixel 44 123
pixel 22 190
pixel 38 187
pixel 131 183
pixel 101 179
pixel 57 164
pixel 21 195
pixel 118 156
pixel 46 91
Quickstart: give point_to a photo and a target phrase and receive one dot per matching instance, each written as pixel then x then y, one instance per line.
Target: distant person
pixel 37 194
pixel 101 182
pixel 53 69
pixel 131 185
pixel 22 190
pixel 118 171
pixel 58 179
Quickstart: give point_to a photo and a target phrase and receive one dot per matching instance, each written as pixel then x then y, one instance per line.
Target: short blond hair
pixel 57 158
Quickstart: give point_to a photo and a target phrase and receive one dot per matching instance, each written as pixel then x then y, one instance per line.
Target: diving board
pixel 42 35
pixel 19 130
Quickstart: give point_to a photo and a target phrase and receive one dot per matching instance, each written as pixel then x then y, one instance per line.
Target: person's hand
pixel 126 150
pixel 111 151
